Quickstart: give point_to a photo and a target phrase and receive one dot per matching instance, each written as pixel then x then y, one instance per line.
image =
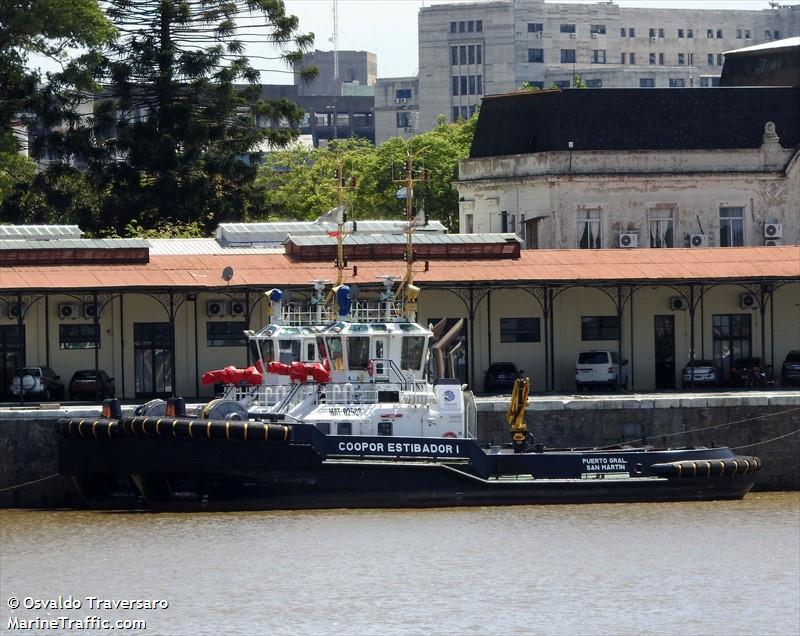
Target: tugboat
pixel 362 424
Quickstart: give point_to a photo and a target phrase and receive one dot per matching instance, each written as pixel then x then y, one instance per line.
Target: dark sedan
pixel 500 376
pixel 89 384
pixel 790 370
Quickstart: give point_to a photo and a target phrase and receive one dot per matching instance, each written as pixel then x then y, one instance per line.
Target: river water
pixel 687 568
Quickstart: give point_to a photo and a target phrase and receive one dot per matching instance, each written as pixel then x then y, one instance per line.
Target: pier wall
pixel 28 441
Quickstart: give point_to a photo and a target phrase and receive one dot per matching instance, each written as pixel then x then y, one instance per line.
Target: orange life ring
pixel 449 434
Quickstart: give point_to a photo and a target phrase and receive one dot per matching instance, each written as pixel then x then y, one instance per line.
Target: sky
pixel 388 28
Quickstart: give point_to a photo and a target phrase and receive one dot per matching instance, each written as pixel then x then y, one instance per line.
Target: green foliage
pixel 578 82
pixel 47 28
pixel 166 229
pixel 299 183
pixel 527 87
pixel 60 195
pixel 182 112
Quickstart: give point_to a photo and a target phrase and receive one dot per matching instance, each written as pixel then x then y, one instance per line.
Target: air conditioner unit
pixel 539 34
pixel 628 240
pixel 747 301
pixel 594 36
pixel 572 36
pixel 773 230
pixel 237 308
pixel 773 242
pixel 68 311
pixel 91 311
pixel 652 38
pixel 698 240
pixel 678 303
pixel 16 311
pixel 215 308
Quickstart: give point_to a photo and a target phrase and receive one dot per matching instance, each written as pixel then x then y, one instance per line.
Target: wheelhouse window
pixel 599 327
pixel 79 336
pixel 519 330
pixel 289 351
pixel 336 353
pixel 589 229
pixel 662 227
pixel 357 352
pixel 411 354
pixel 731 226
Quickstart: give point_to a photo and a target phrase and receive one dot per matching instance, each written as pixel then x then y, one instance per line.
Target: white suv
pixel 599 368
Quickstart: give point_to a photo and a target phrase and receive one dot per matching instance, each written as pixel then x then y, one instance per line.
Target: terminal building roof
pixel 532 267
pixel 635 119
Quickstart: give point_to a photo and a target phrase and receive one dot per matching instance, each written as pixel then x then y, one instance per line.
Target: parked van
pixel 599 368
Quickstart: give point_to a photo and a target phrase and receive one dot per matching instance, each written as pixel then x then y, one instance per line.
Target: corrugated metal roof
pixel 646 266
pixel 279 231
pixel 40 232
pixel 165 247
pixel 399 239
pixel 71 244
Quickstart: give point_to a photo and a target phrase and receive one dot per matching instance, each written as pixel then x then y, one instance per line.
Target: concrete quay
pixel 762 423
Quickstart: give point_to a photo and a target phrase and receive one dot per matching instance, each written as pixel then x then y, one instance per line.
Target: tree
pixel 181 114
pixel 47 28
pixel 299 184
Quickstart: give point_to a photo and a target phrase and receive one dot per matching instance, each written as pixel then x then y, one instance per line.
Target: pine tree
pixel 180 112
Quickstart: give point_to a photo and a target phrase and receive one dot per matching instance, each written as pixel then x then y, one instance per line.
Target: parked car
pixel 500 376
pixel 704 372
pixel 790 370
pixel 750 372
pixel 599 368
pixel 37 382
pixel 88 384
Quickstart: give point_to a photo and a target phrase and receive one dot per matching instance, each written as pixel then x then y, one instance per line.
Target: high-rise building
pixel 470 50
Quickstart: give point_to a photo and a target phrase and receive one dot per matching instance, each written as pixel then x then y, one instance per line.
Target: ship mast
pixel 407 288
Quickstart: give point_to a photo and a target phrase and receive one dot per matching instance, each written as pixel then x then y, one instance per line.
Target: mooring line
pixel 708 428
pixel 766 441
pixel 28 483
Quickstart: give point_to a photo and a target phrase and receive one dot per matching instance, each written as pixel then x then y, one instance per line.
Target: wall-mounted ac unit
pixel 68 311
pixel 773 230
pixel 215 308
pixel 539 34
pixel 678 303
pixel 594 36
pixel 572 36
pixel 747 301
pixel 652 38
pixel 698 240
pixel 773 242
pixel 237 308
pixel 628 240
pixel 91 311
pixel 16 311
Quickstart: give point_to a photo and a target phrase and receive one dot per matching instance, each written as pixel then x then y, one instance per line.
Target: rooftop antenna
pixel 336 87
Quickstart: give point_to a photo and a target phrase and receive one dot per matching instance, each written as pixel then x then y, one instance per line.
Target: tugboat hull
pixel 310 470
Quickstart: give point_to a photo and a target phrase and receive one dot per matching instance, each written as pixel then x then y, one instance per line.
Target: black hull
pixel 160 470
pixel 386 486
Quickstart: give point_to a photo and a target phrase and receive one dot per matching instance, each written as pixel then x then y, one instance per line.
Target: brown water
pixel 694 568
